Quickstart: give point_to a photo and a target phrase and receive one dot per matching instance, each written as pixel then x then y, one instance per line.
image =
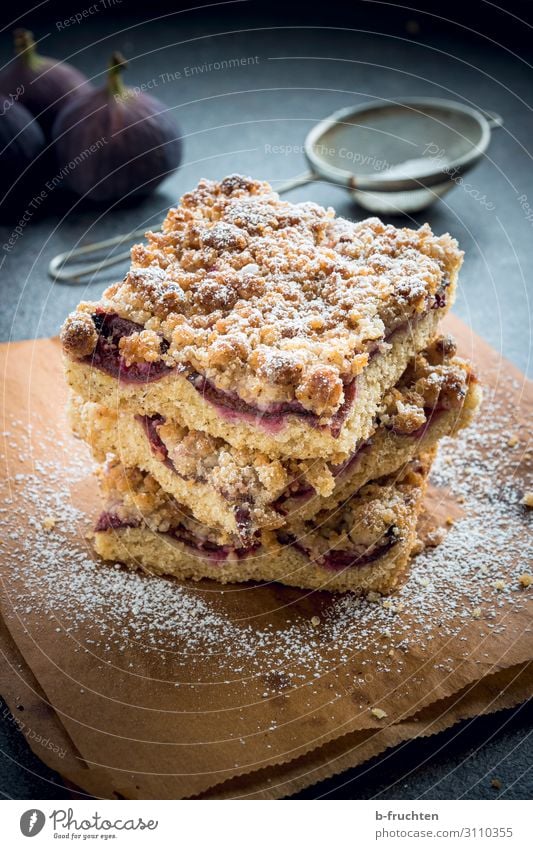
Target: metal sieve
pixel 394 158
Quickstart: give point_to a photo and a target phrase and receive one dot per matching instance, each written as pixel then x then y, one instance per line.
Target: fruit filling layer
pixel 272 417
pixel 107 357
pixel 362 531
pixel 346 558
pixel 336 559
pixel 201 547
pixel 270 308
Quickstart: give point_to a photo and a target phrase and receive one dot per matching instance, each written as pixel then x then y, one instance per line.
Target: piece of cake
pixel 267 324
pixel 363 546
pixel 243 492
pixel 438 395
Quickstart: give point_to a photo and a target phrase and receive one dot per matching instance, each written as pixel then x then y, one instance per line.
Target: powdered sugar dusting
pixel 473 574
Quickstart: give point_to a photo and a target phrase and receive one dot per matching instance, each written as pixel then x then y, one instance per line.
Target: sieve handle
pixel 493 119
pixel 296 182
pixel 65 267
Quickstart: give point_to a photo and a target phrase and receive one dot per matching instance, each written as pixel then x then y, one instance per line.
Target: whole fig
pixel 22 143
pixel 123 140
pixel 43 85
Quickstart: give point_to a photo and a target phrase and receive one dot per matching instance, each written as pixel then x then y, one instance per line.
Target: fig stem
pixel 115 84
pixel 25 47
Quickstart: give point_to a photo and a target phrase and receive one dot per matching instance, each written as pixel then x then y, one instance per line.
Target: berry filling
pixel 201 547
pixel 338 559
pixel 151 425
pixel 106 355
pixel 335 559
pixel 272 417
pixel 109 521
pixel 210 550
pixel 230 406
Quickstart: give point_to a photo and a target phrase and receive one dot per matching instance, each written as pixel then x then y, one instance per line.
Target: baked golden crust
pixel 78 334
pixel 277 302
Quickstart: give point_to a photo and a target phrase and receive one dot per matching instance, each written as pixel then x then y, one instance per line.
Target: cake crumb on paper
pixel 435 537
pixel 378 713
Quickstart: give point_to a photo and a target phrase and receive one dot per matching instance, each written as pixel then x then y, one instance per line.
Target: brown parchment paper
pixel 504 689
pixel 20 690
pixel 170 721
pixel 34 716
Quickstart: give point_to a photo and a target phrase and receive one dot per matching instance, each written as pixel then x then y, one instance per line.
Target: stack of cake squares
pixel 265 391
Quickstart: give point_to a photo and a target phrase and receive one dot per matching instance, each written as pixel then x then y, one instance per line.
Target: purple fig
pixel 42 85
pixel 124 139
pixel 21 144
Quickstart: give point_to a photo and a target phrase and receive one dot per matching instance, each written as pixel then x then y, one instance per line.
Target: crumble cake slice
pixel 363 546
pixel 262 322
pixel 438 395
pixel 243 492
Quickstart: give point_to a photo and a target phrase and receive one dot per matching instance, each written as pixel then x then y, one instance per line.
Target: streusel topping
pixel 272 300
pixel 380 508
pixel 434 380
pixel 240 475
pixel 135 497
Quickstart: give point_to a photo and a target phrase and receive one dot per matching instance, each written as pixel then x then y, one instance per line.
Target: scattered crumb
pixel 315 621
pixel 450 520
pixel 378 713
pixel 527 500
pixel 525 580
pixel 49 523
pixel 496 783
pixel 513 440
pixel 476 613
pixel 435 537
pixel 499 585
pixel 373 597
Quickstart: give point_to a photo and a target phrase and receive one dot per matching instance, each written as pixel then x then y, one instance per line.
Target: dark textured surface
pixel 230 121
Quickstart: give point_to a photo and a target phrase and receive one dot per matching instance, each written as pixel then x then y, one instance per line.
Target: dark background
pixel 311 61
